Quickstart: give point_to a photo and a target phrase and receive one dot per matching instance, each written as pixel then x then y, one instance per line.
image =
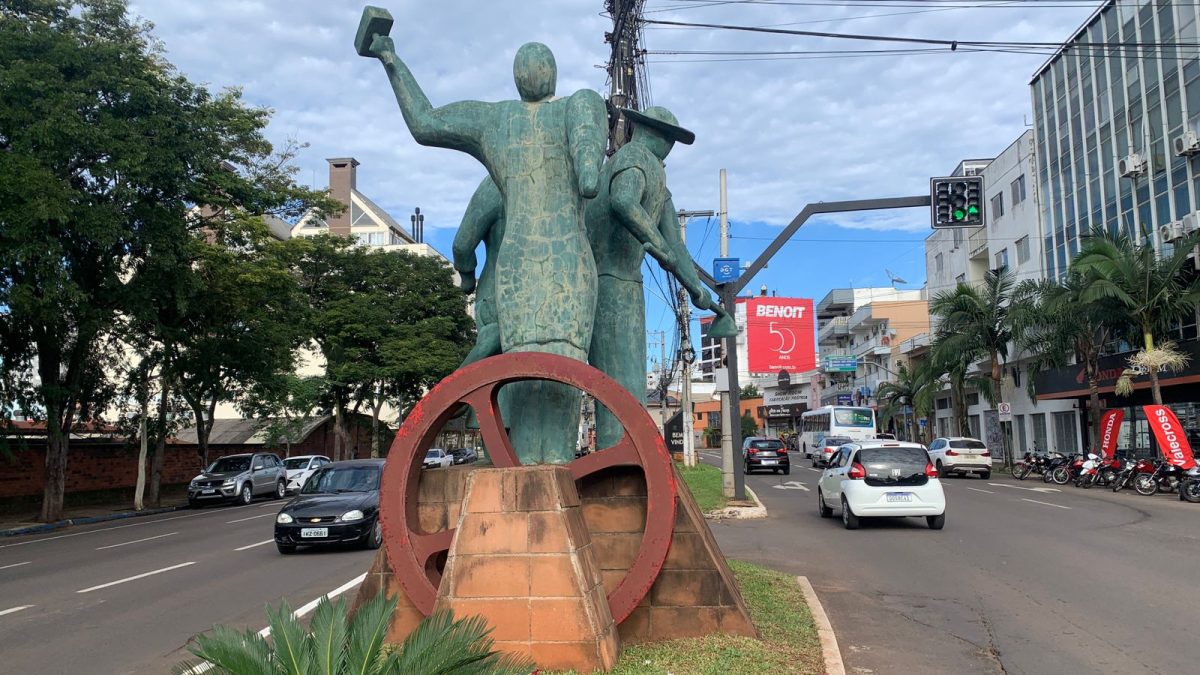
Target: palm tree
pixel 974 322
pixel 1053 323
pixel 947 360
pixel 333 646
pixel 1154 293
pixel 913 388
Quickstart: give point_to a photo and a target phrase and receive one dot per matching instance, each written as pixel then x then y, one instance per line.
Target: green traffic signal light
pixel 973 210
pixel 958 214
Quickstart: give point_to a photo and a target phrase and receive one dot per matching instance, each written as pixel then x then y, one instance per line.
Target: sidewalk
pixel 13 524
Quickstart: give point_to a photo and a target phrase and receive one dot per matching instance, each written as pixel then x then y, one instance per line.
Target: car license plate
pixel 207 492
pixel 899 496
pixel 313 532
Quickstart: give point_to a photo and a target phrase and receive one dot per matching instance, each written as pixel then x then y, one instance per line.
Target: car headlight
pixel 228 482
pixel 351 516
pixel 283 519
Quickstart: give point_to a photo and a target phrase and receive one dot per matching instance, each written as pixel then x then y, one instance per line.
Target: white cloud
pixel 789 131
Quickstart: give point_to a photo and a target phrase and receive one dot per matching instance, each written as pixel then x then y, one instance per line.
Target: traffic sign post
pixel 1005 412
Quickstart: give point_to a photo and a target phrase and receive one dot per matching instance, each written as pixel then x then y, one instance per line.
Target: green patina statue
pixel 633 214
pixel 545 155
pixel 483 222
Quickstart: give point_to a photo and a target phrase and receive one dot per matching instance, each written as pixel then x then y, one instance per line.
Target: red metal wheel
pixel 413 554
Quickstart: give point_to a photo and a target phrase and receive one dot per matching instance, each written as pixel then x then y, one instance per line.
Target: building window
pixel 1002 259
pixel 973 422
pixel 1023 250
pixel 943 403
pixel 958 237
pixel 1064 433
pixel 938 263
pixel 973 398
pixel 1018 190
pixel 998 205
pixel 372 238
pixel 1039 432
pixel 1021 434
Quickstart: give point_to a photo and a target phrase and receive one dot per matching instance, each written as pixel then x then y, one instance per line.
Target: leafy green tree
pixel 914 388
pixel 1153 293
pixel 285 404
pixel 336 645
pixel 749 426
pixel 749 391
pixel 105 151
pixel 1053 323
pixel 975 321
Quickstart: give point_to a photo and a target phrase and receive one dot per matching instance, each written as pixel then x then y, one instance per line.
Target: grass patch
pixel 789 639
pixel 705 482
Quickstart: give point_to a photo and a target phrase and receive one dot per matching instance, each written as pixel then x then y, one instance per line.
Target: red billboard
pixel 779 334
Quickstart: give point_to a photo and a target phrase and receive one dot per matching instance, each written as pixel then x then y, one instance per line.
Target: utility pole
pixel 625 67
pixel 731 418
pixel 689 354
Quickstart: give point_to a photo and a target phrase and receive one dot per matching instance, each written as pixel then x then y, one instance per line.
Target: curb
pixel 58 525
pixel 830 651
pixel 740 512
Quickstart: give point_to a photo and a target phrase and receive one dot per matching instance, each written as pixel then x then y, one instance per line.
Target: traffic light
pixel 957 201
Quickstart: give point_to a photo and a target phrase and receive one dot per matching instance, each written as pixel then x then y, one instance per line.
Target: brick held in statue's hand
pixel 375 21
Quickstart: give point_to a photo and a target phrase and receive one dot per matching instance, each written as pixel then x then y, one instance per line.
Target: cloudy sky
pixel 789 128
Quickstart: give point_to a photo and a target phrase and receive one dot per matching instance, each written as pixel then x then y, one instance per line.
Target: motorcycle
pixel 1097 470
pixel 1189 486
pixel 1166 478
pixel 1130 469
pixel 1033 463
pixel 1067 471
pixel 1057 462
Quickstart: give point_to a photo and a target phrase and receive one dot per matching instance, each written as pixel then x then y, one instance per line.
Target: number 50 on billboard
pixel 779 334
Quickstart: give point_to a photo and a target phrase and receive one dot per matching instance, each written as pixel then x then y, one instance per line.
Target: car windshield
pixel 343 479
pixel 853 417
pixel 770 444
pixel 968 444
pixel 295 463
pixel 230 465
pixel 832 441
pixel 433 454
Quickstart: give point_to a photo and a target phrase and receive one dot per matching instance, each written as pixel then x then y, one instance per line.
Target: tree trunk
pixel 1093 409
pixel 154 493
pixel 341 435
pixel 998 397
pixel 959 405
pixel 139 489
pixel 376 451
pixel 57 442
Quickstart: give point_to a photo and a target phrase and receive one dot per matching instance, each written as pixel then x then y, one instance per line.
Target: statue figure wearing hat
pixel 633 214
pixel 544 154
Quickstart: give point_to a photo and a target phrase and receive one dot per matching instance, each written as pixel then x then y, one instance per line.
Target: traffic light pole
pixel 728 293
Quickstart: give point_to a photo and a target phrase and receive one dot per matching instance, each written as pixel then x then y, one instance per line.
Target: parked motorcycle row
pixel 1144 476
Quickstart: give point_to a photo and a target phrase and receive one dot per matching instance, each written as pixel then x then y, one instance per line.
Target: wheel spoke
pixel 491 425
pixel 425 546
pixel 624 453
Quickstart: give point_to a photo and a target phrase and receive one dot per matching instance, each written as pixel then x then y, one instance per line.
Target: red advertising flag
pixel 779 334
pixel 1110 428
pixel 1172 441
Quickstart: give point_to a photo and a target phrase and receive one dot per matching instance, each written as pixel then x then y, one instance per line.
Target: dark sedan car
pixel 339 504
pixel 464 455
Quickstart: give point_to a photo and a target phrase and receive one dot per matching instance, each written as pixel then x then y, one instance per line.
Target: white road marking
pixel 107 529
pixel 135 577
pixel 1018 487
pixel 242 520
pixel 205 666
pixel 1057 506
pixel 14 610
pixel 261 543
pixel 812 469
pixel 978 490
pixel 16 565
pixel 136 541
pixel 792 485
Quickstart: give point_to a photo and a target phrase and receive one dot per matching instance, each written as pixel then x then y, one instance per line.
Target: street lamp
pixel 418 226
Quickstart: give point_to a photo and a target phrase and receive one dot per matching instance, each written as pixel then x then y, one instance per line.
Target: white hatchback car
pixel 882 479
pixel 299 468
pixel 961 455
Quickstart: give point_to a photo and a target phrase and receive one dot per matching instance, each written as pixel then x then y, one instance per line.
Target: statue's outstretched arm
pixel 457 126
pixel 587 136
pixel 625 193
pixel 483 211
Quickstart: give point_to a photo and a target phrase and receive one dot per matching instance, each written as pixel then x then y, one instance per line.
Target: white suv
pixel 961 455
pixel 882 478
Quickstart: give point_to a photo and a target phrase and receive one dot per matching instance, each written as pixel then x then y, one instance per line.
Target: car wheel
pixel 246 495
pixel 941 472
pixel 280 490
pixel 775 471
pixel 849 520
pixel 814 461
pixel 375 539
pixel 747 471
pixel 936 522
pixel 822 507
pixel 787 470
pixel 285 549
pixel 985 475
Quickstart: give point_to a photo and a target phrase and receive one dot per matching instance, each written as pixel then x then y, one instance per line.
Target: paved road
pixel 1056 580
pixel 126 597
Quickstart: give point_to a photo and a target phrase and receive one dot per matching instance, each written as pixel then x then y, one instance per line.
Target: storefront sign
pixel 781 411
pixel 840 364
pixel 1172 440
pixel 845 399
pixel 782 396
pixel 673 432
pixel 1072 381
pixel 1110 427
pixel 779 334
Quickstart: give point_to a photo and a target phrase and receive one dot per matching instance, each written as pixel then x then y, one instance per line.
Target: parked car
pixel 827 448
pixel 961 455
pixel 299 468
pixel 464 455
pixel 762 452
pixel 239 478
pixel 339 504
pixel 882 478
pixel 437 458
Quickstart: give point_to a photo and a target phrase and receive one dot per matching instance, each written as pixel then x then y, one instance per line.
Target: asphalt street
pixel 127 596
pixel 1025 578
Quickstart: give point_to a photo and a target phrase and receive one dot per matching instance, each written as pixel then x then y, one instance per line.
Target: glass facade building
pixel 1094 107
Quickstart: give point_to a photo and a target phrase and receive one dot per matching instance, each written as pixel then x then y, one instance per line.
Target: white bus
pixel 856 424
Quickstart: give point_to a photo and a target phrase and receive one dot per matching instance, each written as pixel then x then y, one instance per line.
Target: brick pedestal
pixel 523 560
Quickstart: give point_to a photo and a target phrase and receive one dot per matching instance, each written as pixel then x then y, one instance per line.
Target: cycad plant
pixel 1154 293
pixel 333 645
